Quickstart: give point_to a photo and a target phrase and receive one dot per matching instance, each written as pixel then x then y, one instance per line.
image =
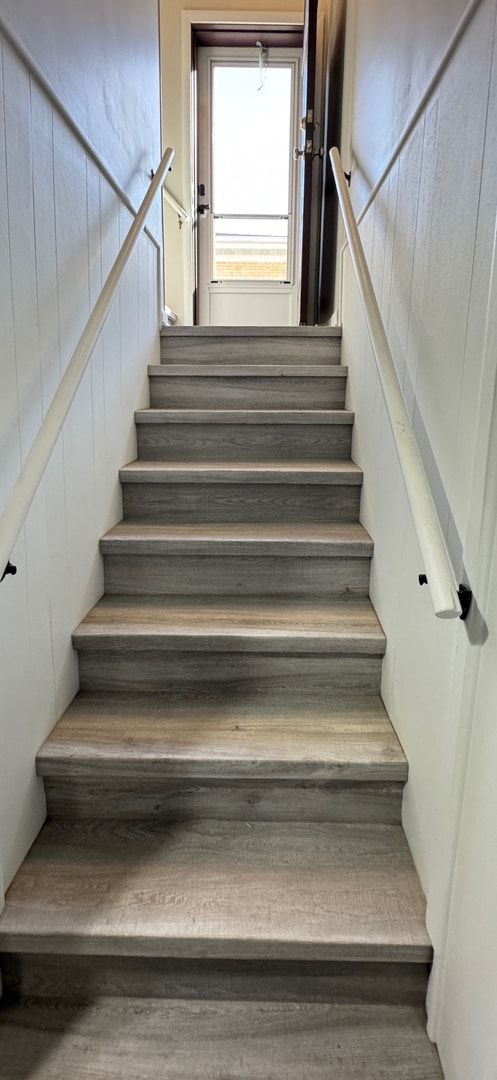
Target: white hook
pixel 262 62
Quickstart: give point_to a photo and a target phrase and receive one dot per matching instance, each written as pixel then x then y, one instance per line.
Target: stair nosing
pixel 126 538
pixel 293 417
pixel 278 868
pixel 299 625
pixel 339 473
pixel 247 371
pixel 188 736
pixel 70 765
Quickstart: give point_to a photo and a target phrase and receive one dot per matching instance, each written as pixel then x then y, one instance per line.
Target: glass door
pixel 247 186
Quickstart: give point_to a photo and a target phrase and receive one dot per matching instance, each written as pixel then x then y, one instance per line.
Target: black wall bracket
pixel 464 593
pixel 465 597
pixel 9 569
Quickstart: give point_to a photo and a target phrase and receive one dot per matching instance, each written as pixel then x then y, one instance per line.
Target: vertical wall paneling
pixel 95 283
pixel 404 229
pixel 391 215
pixel 9 415
pixel 60 230
pixel 102 58
pixel 109 226
pixel 129 335
pixel 432 249
pixel 45 243
pixel 19 162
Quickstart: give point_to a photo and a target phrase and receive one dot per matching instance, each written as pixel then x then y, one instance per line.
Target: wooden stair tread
pixel 233 623
pixel 247 371
pixel 217 888
pixel 294 538
pixel 244 416
pixel 256 472
pixel 224 735
pixel 173 1039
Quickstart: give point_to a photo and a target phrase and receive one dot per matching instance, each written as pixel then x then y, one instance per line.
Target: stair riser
pixel 209 575
pixel 247 442
pixel 284 392
pixel 253 673
pixel 134 799
pixel 79 978
pixel 184 503
pixel 232 349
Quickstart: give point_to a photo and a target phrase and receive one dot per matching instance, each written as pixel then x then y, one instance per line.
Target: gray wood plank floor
pixel 223 890
pixel 226 734
pixel 126 1038
pixel 233 624
pixel 208 888
pixel 258 538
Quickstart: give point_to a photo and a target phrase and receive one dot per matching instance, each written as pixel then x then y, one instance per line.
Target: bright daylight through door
pixel 251 117
pixel 247 185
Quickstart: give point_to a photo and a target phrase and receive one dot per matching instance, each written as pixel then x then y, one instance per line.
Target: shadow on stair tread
pixel 186 1040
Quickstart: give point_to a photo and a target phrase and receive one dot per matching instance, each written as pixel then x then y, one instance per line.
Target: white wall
pixel 60 229
pixel 429 240
pixel 101 56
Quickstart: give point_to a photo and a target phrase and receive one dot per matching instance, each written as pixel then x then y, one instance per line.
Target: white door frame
pixel 189 19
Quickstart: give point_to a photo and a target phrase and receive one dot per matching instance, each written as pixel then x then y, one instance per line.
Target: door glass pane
pixel 251 128
pixel 250 250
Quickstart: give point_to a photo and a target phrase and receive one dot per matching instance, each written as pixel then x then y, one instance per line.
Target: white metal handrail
pixel 441 580
pixel 177 207
pixel 27 484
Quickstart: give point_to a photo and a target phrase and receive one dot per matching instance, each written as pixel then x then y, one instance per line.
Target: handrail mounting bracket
pixel 9 569
pixel 465 597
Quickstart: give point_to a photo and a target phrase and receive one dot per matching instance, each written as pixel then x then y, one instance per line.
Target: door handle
pixel 202 207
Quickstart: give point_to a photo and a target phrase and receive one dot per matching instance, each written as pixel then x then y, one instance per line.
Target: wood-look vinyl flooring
pixel 311 417
pixel 219 889
pixel 248 369
pixel 82 978
pixel 226 386
pixel 223 735
pixel 233 623
pixel 250 472
pixel 130 1038
pixel 257 538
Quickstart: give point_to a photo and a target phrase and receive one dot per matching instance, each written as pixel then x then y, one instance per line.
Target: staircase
pixel 223 889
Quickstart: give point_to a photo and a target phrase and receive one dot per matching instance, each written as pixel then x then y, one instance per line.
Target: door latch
pixel 202 207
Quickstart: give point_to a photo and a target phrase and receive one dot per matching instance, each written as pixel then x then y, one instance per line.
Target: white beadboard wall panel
pixel 102 58
pixel 446 229
pixel 468 974
pixel 391 198
pixel 431 248
pixel 396 50
pixel 19 163
pixel 109 211
pixel 95 282
pixel 42 123
pixel 402 228
pixel 60 230
pixel 9 426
